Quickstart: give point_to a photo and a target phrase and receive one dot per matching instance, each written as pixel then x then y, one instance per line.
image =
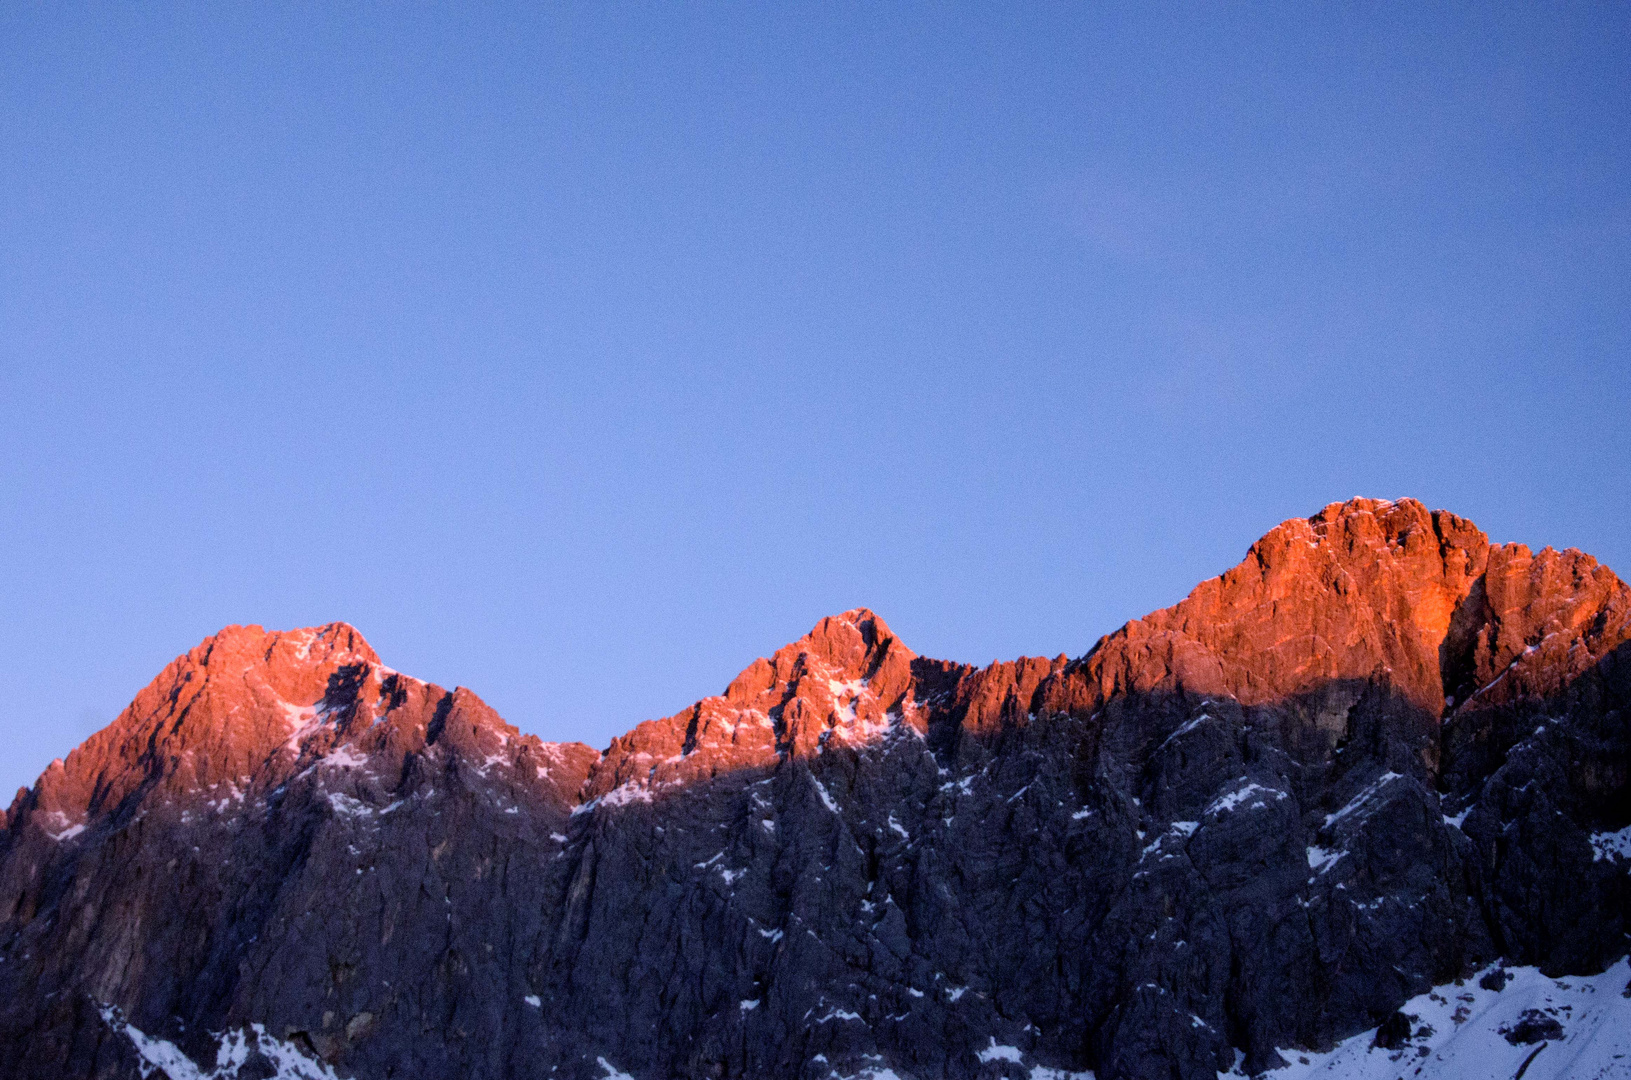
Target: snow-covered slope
pixel 1474 1031
pixel 246 1052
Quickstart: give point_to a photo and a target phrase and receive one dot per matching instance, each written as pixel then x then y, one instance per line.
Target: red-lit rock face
pixel 1377 754
pixel 1364 590
pixel 1369 590
pixel 247 709
pixel 848 682
pixel 1534 623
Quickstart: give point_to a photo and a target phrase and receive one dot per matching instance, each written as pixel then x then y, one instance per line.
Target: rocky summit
pixel 1381 761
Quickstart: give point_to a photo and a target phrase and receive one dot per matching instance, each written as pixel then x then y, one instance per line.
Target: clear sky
pixel 581 354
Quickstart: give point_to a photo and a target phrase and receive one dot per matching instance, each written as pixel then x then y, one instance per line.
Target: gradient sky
pixel 579 355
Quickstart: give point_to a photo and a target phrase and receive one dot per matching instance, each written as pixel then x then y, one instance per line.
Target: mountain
pixel 1379 756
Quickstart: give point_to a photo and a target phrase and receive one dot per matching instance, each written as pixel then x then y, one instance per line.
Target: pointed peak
pixel 853 641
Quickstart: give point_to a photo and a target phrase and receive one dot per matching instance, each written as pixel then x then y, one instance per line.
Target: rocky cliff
pixel 1376 756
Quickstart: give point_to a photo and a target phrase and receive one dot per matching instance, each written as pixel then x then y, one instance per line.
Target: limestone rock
pixel 1375 756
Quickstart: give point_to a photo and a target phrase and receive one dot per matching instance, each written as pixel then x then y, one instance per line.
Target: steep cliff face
pixel 1376 755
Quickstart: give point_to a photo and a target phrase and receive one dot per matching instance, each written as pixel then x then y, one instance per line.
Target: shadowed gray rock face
pixel 857 862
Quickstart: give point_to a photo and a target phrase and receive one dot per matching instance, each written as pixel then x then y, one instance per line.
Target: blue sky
pixel 578 355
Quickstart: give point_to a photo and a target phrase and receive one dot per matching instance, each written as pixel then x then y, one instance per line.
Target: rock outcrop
pixel 1375 756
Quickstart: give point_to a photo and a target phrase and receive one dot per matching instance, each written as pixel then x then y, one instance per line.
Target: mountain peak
pixel 890 863
pixel 849 681
pixel 247 709
pixel 1373 589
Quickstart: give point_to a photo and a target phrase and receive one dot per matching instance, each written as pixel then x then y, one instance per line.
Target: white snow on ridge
pixel 64 831
pixel 1254 794
pixel 852 688
pixel 1467 1040
pixel 1604 844
pixel 1177 828
pixel 350 807
pixel 997 1052
pixel 1184 730
pixel 345 757
pixel 838 1014
pixel 302 720
pixel 1363 797
pixel 235 1046
pixel 624 794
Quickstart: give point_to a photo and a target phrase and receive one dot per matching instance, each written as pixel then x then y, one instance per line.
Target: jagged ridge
pixel 1253 766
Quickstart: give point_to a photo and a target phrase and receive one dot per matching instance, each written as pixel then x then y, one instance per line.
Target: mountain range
pixel 1381 762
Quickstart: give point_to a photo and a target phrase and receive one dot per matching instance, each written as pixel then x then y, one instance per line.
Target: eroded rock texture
pixel 1366 760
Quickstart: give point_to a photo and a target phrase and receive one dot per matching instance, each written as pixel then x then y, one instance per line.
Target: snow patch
pixel 826 796
pixel 612 1071
pixel 1253 795
pixel 1617 844
pixel 1320 860
pixel 159 1055
pixel 345 757
pixel 840 690
pixel 1468 1027
pixel 63 830
pixel 1000 1053
pixel 866 1072
pixel 624 794
pixel 534 1000
pixel 348 806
